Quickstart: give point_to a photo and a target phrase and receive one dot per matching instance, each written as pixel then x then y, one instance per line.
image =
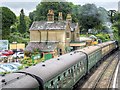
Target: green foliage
pixel 18 37
pixel 42 9
pixel 4 73
pixel 22 22
pixel 89 17
pixel 29 62
pixel 8 18
pixel 116 26
pixel 103 15
pixel 28 22
pixel 27 53
pixel 103 37
pixel 75 12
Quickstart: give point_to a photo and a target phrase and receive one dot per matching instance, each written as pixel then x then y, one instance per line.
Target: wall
pixel 18 46
pixel 68 40
pixel 53 35
pixel 34 36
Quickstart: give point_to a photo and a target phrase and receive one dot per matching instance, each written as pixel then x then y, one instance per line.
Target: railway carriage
pixel 107 47
pixel 93 55
pixel 68 69
pixel 62 72
pixel 112 46
pixel 104 49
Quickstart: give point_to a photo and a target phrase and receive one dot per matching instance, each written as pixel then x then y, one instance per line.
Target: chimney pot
pixel 50 15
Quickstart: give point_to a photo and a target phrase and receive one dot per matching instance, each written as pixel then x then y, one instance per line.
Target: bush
pixel 27 53
pixel 103 37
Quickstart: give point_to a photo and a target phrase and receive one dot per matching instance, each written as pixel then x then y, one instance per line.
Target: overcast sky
pixel 30 5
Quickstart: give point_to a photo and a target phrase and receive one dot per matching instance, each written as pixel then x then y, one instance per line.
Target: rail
pixel 105 78
pixel 92 80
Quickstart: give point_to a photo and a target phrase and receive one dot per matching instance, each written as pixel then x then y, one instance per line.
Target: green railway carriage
pixel 61 72
pixel 93 54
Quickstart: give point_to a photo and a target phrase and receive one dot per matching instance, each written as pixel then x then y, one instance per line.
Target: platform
pixel 116 81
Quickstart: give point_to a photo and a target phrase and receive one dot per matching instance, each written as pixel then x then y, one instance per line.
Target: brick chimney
pixel 69 18
pixel 60 17
pixel 50 15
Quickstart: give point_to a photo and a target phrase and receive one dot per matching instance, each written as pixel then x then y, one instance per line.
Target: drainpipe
pixel 40 35
pixel 47 37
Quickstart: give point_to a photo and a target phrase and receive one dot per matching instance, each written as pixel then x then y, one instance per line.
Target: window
pixel 51 83
pixel 72 72
pixel 67 34
pixel 58 78
pixel 69 71
pixel 64 74
pixel 74 67
pixel 69 74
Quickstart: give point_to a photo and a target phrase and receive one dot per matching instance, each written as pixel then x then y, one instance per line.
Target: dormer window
pixel 67 35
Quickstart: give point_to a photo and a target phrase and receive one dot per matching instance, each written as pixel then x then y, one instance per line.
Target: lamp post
pixel 16 49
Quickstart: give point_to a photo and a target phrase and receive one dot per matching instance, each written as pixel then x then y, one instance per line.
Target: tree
pixel 8 18
pixel 111 14
pixel 89 17
pixel 75 12
pixel 116 24
pixel 28 21
pixel 42 9
pixel 104 16
pixel 22 22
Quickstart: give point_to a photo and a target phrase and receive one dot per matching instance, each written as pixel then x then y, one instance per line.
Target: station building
pixel 53 36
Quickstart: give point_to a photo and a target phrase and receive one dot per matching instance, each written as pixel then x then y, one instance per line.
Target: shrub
pixel 103 37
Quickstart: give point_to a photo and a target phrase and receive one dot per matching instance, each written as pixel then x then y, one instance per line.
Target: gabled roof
pixel 46 25
pixel 42 46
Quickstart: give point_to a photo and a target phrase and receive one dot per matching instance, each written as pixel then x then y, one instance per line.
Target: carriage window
pixel 58 78
pixel 80 63
pixel 72 72
pixel 69 71
pixel 51 83
pixel 74 67
pixel 64 74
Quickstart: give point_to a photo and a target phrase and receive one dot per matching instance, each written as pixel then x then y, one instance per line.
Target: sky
pixel 30 5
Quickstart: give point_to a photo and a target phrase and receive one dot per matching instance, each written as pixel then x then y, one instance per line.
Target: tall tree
pixel 89 17
pixel 42 9
pixel 104 17
pixel 8 18
pixel 22 22
pixel 116 24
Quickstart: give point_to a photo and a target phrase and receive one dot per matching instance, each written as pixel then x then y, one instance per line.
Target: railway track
pixel 105 79
pixel 102 77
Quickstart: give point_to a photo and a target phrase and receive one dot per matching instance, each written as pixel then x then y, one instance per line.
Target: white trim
pixel 115 78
